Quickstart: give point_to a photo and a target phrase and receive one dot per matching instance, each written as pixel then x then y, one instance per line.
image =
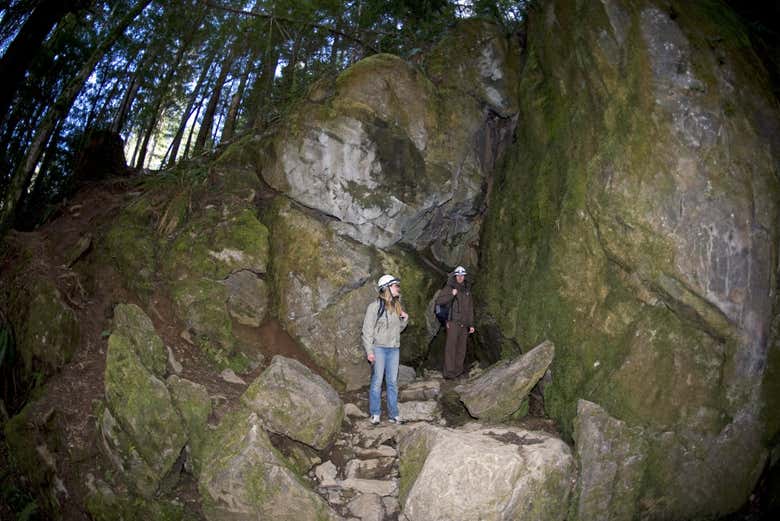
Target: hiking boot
pixel 397 420
pixel 374 419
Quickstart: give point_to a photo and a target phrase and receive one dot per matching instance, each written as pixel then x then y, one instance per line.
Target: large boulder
pixel 500 391
pixel 323 283
pixel 637 228
pixel 47 331
pixel 484 473
pixel 141 430
pixel 244 478
pixel 295 402
pixel 131 322
pixel 391 155
pixel 611 459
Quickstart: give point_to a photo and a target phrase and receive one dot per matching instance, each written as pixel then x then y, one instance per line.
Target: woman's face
pixel 395 290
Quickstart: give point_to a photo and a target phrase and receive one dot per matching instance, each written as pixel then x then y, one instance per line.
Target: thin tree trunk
pixel 208 117
pixel 192 129
pixel 127 101
pixel 20 53
pixel 235 102
pixel 137 147
pixel 188 111
pixel 58 111
pixel 145 142
pixel 261 91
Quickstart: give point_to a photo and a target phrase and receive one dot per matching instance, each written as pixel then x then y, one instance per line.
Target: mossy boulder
pixel 213 245
pixel 244 477
pixel 193 403
pixel 132 245
pixel 392 157
pixel 104 504
pixel 634 225
pixel 201 303
pixel 35 451
pixel 322 283
pixel 131 322
pixel 295 402
pixel 47 331
pixel 484 473
pixel 143 432
pixel 476 58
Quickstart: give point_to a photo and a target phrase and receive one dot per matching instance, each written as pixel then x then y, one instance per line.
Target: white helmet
pixel 460 270
pixel 385 281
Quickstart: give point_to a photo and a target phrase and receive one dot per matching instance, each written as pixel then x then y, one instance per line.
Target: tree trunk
pixel 192 129
pixel 176 143
pixel 127 101
pixel 261 91
pixel 235 102
pixel 25 47
pixel 58 111
pixel 211 108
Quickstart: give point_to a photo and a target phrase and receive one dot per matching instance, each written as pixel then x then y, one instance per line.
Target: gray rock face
pixel 484 473
pixel 499 392
pixel 295 402
pixel 611 460
pixel 649 248
pixel 244 478
pixel 391 157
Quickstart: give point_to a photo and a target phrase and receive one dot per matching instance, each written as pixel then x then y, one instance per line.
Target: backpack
pixel 442 312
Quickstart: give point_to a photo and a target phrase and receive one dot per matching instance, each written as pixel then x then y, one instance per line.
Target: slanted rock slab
pixel 295 402
pixel 244 478
pixel 500 390
pixel 611 458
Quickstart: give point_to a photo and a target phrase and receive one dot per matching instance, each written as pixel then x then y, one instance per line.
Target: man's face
pixel 460 278
pixel 395 289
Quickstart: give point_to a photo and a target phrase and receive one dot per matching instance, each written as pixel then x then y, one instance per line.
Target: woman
pixel 382 326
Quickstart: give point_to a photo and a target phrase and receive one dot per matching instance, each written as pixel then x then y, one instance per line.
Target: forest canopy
pixel 175 80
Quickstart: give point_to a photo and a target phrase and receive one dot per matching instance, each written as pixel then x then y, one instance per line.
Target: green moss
pixel 105 505
pixel 47 330
pixel 410 465
pixel 142 406
pixel 131 322
pixel 214 246
pixel 132 246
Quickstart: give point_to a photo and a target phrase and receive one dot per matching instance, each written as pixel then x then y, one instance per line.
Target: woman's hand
pixel 471 330
pixel 370 358
pixel 404 315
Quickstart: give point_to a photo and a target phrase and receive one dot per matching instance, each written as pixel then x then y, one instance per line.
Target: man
pixel 456 294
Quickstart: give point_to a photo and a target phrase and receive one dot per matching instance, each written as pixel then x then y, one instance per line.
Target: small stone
pixel 326 474
pixel 418 411
pixel 352 410
pixel 382 451
pixel 371 486
pixel 406 375
pixel 367 507
pixel 391 505
pixel 368 469
pixel 231 377
pixel 176 367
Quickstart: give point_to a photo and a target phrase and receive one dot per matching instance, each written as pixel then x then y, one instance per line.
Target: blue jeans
pixel 385 365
